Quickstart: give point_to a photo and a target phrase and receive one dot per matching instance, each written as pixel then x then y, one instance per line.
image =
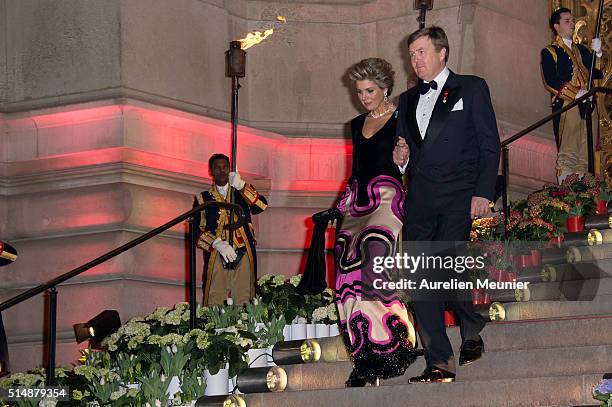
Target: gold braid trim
pixel 223 219
pixel 205 241
pixel 8 256
pixel 200 200
pixel 261 205
pixel 553 52
pixel 251 195
pixel 580 74
pixel 568 92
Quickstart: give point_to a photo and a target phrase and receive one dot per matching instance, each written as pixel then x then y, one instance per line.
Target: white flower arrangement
pixel 295 280
pixel 151 349
pixel 169 339
pixel 201 338
pixel 175 317
pixel 158 314
pixel 264 279
pixel 135 327
pixel 332 312
pixel 319 315
pixel 135 341
pixel 300 320
pixel 278 280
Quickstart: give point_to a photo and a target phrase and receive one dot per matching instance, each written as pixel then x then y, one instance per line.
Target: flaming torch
pixel 235 68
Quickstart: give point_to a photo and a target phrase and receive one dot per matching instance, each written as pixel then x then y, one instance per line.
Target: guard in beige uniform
pixel 565 71
pixel 230 271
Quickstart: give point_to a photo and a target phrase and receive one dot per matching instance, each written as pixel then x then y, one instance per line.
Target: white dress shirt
pixel 426 105
pixel 223 190
pixel 427 102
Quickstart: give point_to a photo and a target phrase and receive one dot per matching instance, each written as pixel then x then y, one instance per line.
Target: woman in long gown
pixel 378 331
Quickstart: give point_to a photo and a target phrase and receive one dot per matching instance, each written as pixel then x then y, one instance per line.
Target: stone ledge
pixel 540 391
pixel 497 365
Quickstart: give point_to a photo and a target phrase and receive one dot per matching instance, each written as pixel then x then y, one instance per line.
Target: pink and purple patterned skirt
pixel 377 328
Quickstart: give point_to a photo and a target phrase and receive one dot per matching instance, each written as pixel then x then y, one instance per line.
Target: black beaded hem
pixel 383 361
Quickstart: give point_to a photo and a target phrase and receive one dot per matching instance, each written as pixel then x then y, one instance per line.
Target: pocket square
pixel 458 105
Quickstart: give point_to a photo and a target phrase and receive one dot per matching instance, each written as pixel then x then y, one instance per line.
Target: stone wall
pixel 110 109
pixel 172 54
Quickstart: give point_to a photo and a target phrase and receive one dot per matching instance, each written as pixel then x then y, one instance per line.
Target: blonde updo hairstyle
pixel 376 70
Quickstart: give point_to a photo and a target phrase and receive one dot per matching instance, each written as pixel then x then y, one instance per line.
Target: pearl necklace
pixel 388 110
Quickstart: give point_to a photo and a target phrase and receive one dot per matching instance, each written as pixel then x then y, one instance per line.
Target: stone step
pixel 543 333
pixel 494 365
pixel 564 390
pixel 538 334
pixel 514 350
pixel 519 335
pixel 519 311
pixel 577 271
pixel 581 290
pixel 518 364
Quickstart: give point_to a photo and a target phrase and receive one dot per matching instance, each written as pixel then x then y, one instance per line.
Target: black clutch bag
pixel 313 278
pixel 232 265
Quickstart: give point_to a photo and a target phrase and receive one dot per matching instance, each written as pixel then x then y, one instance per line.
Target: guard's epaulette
pixel 200 198
pixel 553 52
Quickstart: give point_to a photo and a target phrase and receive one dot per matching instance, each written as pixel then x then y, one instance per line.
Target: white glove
pixel 225 250
pixel 580 93
pixel 596 47
pixel 236 181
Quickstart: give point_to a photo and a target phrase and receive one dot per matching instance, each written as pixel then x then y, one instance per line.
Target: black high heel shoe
pixel 357 379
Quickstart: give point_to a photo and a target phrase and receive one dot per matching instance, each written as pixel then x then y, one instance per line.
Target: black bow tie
pixel 424 87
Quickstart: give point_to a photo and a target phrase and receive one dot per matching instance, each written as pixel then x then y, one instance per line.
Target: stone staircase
pixel 546 362
pixel 548 352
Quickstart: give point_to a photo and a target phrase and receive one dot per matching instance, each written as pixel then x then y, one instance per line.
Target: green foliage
pixel 282 298
pixel 192 385
pixel 149 351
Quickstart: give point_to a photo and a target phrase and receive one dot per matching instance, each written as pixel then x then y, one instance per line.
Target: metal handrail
pixel 524 132
pixel 53 283
pixel 539 123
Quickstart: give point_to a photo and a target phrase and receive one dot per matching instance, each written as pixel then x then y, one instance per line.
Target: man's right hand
pixel 400 152
pixel 225 250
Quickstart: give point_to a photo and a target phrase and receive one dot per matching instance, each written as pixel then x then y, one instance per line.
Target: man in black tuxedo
pixel 447 127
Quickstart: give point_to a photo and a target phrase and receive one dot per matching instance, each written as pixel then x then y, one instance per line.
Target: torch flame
pixel 254 38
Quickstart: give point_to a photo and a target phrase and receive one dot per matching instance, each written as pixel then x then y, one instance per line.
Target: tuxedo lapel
pixel 446 100
pixel 413 127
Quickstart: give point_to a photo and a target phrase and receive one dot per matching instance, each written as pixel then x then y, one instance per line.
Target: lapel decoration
pixel 445 96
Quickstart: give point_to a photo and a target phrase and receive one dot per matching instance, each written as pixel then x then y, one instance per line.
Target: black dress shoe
pixel 433 375
pixel 471 351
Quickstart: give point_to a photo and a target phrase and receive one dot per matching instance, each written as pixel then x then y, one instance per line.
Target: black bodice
pixel 373 156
